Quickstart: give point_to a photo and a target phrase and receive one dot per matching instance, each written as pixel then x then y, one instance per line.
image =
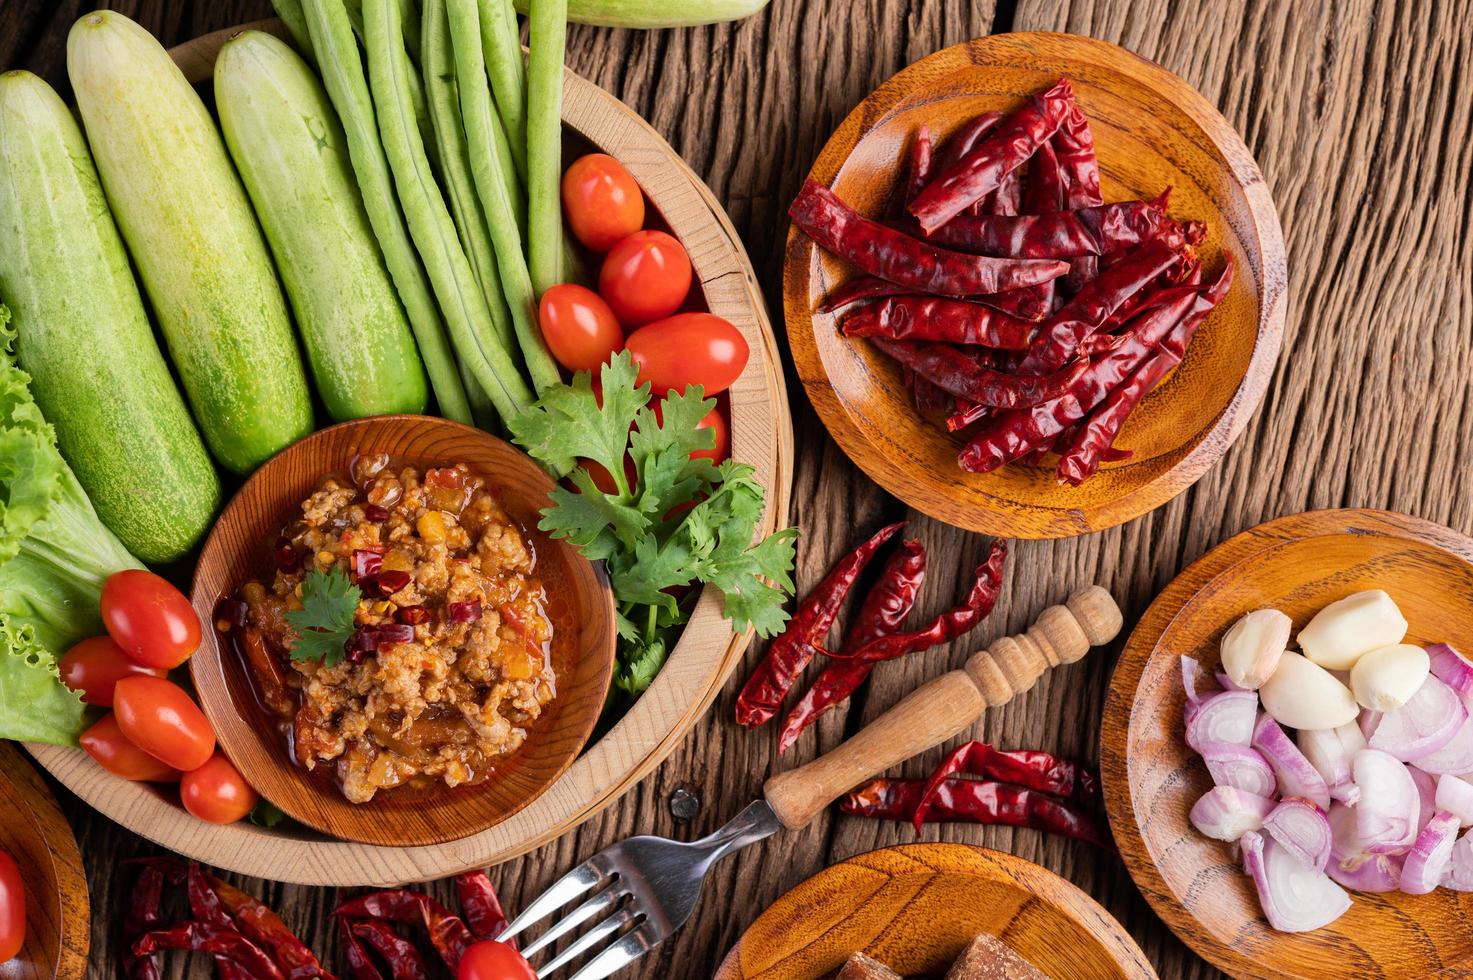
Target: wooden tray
pixel 762 435
pixel 1152 131
pixel 915 908
pixel 1151 779
pixel 34 832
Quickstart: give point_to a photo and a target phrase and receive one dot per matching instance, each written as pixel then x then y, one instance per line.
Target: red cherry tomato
pixel 491 960
pixel 106 743
pixel 645 277
pixel 216 792
pixel 580 329
pixel 158 717
pixel 149 618
pixel 603 203
pixel 95 665
pixel 13 910
pixel 689 349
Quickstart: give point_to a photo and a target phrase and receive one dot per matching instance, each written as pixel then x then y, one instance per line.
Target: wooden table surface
pixel 1359 116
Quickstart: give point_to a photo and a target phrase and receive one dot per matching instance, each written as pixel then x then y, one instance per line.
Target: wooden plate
pixel 762 435
pixel 1152 131
pixel 34 832
pixel 915 908
pixel 1151 779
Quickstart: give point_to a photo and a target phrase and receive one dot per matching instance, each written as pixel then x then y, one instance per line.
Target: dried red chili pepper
pixel 945 627
pixel 891 254
pixel 883 612
pixel 788 654
pixel 478 901
pixel 359 965
pixel 1006 148
pixel 920 163
pixel 404 961
pixel 1007 200
pixel 230 970
pixel 1103 230
pixel 448 933
pixel 858 290
pixel 1029 768
pixel 927 397
pixel 964 140
pixel 1043 191
pixel 1074 147
pixel 204 937
pixel 954 321
pixel 258 923
pixel 953 371
pixel 144 912
pixel 975 801
pixel 1028 303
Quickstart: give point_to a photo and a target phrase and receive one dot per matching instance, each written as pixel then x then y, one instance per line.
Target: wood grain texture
pixel 1152 132
pixel 1297 564
pixel 1358 116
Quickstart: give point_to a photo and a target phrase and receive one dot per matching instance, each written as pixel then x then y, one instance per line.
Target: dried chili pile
pixel 1018 304
pixel 875 635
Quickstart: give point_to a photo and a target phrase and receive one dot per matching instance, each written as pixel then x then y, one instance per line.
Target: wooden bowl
pixel 1152 131
pixel 706 654
pixel 915 907
pixel 581 607
pixel 34 833
pixel 1151 779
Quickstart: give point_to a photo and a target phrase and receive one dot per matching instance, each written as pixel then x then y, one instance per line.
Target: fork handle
pixel 947 705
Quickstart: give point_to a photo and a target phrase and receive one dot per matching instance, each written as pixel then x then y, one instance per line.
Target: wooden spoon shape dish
pixel 915 907
pixel 580 606
pixel 1152 131
pixel 1298 564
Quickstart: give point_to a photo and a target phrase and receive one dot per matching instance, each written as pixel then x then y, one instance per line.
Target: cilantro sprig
pixel 680 521
pixel 324 624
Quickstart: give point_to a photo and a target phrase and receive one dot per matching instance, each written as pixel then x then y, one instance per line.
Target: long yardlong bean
pixel 342 72
pixel 548 28
pixel 502 45
pixel 290 12
pixel 491 185
pixel 430 224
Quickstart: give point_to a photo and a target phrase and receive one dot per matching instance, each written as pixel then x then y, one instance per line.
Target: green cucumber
pixel 194 238
pixel 84 338
pixel 290 150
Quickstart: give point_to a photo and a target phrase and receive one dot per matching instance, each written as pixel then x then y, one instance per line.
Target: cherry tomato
pixel 158 717
pixel 645 277
pixel 603 203
pixel 580 329
pixel 95 665
pixel 492 960
pixel 216 792
pixel 106 743
pixel 13 910
pixel 149 618
pixel 689 349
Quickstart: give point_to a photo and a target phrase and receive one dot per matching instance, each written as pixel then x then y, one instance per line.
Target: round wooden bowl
pixel 1297 564
pixel 762 436
pixel 34 833
pixel 1152 131
pixel 580 605
pixel 915 907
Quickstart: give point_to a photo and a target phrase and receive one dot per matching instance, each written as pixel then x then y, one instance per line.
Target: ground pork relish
pixel 450 663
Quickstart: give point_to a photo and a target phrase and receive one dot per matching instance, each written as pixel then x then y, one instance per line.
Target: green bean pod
pixel 501 43
pixel 548 28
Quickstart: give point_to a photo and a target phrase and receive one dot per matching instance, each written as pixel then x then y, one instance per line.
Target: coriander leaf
pixel 639 665
pixel 597 523
pixel 748 600
pixel 324 624
pixel 661 448
pixel 266 814
pixel 568 421
pixel 642 577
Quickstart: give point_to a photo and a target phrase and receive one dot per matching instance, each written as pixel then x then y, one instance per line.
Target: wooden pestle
pixel 947 705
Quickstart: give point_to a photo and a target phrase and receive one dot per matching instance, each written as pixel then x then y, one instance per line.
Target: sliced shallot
pixel 1300 827
pixel 1386 816
pixel 1330 750
pixel 1240 767
pixel 1456 757
pixel 1294 898
pixel 1430 855
pixel 1349 863
pixel 1225 813
pixel 1426 794
pixel 1459 873
pixel 1191 674
pixel 1452 668
pixel 1226 716
pixel 1295 775
pixel 1427 722
pixel 1455 795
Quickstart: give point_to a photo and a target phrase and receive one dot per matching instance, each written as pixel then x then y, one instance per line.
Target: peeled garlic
pixel 1385 678
pixel 1251 649
pixel 1301 694
pixel 1346 630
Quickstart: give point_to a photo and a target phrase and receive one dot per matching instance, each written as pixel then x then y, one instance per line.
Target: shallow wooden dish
pixel 34 832
pixel 762 436
pixel 1151 779
pixel 1152 131
pixel 915 907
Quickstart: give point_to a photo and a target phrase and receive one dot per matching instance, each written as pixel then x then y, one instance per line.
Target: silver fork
pixel 646 887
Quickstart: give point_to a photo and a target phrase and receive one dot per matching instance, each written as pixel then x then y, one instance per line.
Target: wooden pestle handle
pixel 940 708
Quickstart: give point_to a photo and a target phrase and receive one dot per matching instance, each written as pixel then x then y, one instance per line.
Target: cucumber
pixel 290 150
pixel 83 336
pixel 194 238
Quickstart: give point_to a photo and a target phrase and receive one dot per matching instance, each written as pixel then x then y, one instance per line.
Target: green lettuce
pixel 54 556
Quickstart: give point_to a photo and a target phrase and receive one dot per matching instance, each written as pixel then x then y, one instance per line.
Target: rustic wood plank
pixel 1358 115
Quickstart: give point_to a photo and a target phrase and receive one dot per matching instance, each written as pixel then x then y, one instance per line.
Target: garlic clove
pixel 1386 677
pixel 1346 630
pixel 1252 648
pixel 1301 694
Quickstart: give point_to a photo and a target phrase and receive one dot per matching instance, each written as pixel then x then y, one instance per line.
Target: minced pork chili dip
pixel 449 662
